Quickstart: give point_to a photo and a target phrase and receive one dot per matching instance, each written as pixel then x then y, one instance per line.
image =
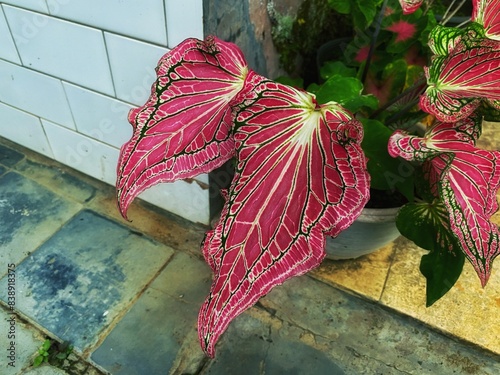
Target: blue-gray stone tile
pixel 84 276
pixel 29 214
pixel 148 338
pixel 9 157
pixel 185 277
pixel 160 321
pixel 58 180
pixel 251 346
pixel 25 341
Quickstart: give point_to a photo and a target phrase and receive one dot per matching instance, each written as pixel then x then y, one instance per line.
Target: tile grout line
pixel 104 333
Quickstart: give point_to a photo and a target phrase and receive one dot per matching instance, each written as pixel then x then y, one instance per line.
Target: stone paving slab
pixel 19 337
pixel 467 311
pixel 84 276
pixel 160 321
pixel 45 370
pixel 57 180
pixel 366 339
pixel 9 157
pixel 30 214
pixel 255 344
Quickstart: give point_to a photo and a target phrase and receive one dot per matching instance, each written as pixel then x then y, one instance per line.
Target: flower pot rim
pixel 372 215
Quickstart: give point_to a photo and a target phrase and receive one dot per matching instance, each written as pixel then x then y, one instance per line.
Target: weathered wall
pixel 248 24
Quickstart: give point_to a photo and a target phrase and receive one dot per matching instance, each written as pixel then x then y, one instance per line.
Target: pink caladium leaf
pixel 410 6
pixel 458 82
pixel 487 14
pixel 300 175
pixel 403 29
pixel 184 127
pixel 466 179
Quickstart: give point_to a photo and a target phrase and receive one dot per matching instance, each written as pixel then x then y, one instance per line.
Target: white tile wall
pixel 141 19
pixel 182 198
pixel 106 122
pixel 38 5
pixel 82 153
pixel 8 50
pixel 70 70
pixel 22 128
pixel 33 92
pixel 72 52
pixel 184 20
pixel 133 66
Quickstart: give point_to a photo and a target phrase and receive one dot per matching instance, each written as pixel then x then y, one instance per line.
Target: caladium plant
pixel 301 173
pixel 465 179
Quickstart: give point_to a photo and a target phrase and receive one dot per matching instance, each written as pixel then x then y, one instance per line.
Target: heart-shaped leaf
pixel 467 180
pixel 183 129
pixel 443 265
pixel 458 81
pixel 300 176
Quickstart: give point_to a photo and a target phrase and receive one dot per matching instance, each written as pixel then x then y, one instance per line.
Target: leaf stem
pixel 449 14
pixel 378 23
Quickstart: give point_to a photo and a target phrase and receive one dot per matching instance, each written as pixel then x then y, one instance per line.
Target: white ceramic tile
pixel 38 5
pixel 133 66
pixel 106 122
pixel 139 19
pixel 8 50
pixel 184 20
pixel 202 178
pixel 82 153
pixel 24 129
pixel 187 200
pixel 63 49
pixel 34 92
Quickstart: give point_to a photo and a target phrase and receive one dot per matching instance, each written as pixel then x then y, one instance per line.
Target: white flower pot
pixel 373 229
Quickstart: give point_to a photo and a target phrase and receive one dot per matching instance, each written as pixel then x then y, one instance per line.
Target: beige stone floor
pixel 391 277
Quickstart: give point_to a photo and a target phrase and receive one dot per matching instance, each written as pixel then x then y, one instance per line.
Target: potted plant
pixel 301 172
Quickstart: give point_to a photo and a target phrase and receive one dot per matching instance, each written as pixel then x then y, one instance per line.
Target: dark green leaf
pixel 37 361
pixel 313 88
pixel 441 269
pixel 294 82
pixel 331 68
pixel 386 172
pixel 427 225
pixel 339 89
pixel 341 6
pixel 362 101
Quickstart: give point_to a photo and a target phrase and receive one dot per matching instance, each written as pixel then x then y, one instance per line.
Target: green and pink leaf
pixel 410 6
pixel 466 179
pixel 487 14
pixel 300 176
pixel 458 82
pixel 184 127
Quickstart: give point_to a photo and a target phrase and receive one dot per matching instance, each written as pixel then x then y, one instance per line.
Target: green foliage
pixel 387 173
pixel 43 353
pixel 443 264
pixel 346 91
pixel 331 68
pixel 362 11
pixel 378 74
pixel 52 352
